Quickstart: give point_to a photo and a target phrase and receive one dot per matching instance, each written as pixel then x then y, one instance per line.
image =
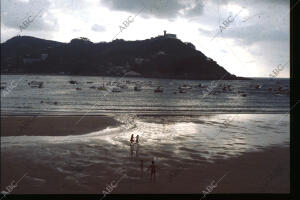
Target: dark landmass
pixel 159 57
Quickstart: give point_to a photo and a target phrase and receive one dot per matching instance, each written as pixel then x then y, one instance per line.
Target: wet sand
pixel 267 171
pixel 54 125
pixel 85 167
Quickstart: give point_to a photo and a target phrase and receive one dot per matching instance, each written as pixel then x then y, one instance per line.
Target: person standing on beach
pixel 137 139
pixel 131 139
pixel 153 171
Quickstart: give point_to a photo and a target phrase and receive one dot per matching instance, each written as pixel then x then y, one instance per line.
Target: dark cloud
pixel 14 13
pixel 262 25
pixel 159 8
pixel 171 9
pixel 252 2
pixel 197 8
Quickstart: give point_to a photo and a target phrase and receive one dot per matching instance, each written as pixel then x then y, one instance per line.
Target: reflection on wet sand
pixel 179 150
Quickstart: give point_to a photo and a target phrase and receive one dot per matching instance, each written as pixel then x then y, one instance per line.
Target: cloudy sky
pixel 248 38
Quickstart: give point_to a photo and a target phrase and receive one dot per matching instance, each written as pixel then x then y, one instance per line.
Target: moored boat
pixel 158 89
pixel 137 88
pixel 116 90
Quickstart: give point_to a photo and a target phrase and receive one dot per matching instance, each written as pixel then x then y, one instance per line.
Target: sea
pixel 203 122
pixel 58 97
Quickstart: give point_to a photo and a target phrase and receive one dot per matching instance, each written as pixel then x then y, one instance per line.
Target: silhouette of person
pixel 131 139
pixel 137 139
pixel 153 171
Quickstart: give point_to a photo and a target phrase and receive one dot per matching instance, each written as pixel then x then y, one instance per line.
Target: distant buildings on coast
pixel 30 60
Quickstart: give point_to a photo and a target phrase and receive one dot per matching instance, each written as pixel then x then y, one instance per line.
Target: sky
pixel 249 38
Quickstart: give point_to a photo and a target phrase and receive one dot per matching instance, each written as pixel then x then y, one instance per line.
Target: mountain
pixel 159 57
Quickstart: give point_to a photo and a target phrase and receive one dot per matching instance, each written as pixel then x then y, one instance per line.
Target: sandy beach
pixel 83 163
pixel 53 125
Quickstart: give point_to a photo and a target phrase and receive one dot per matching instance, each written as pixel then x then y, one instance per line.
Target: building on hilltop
pixel 168 35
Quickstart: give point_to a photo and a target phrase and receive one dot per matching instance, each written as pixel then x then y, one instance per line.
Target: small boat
pixel 73 82
pixel 182 91
pixel 258 86
pixel 185 87
pixel 158 89
pixel 116 90
pixel 277 93
pixel 123 86
pixel 101 87
pixel 137 88
pixel 3 85
pixel 36 84
pixel 109 83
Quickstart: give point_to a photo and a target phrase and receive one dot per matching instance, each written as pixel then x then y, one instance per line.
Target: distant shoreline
pixel 38 74
pixel 139 114
pixel 33 74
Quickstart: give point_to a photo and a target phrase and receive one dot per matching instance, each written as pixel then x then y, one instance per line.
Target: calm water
pixel 23 99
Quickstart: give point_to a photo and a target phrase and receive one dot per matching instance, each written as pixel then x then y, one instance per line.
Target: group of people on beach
pixel 152 167
pixel 132 139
